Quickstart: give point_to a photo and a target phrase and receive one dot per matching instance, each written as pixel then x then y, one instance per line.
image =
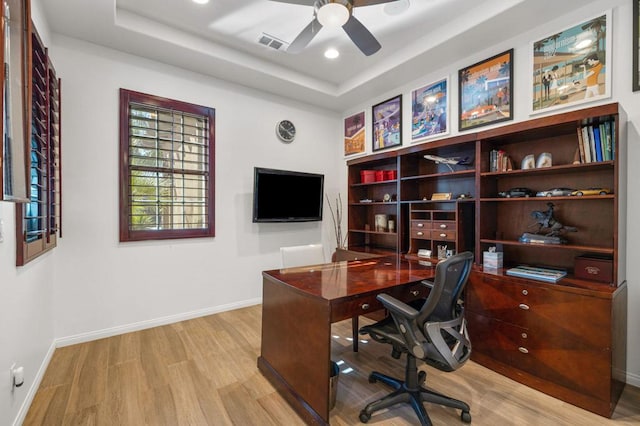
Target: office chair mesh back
pixel 442 316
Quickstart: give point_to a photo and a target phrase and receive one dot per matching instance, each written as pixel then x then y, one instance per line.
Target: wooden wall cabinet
pixel 569 342
pixel 567 339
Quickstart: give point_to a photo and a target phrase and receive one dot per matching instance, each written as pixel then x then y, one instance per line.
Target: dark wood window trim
pixel 38 221
pixel 133 160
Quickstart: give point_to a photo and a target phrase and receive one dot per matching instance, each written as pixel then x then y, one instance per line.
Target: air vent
pixel 271 41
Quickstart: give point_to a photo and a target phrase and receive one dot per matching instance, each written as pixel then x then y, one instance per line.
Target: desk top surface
pixel 355 277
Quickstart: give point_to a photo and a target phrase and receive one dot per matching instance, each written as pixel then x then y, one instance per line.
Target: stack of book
pixel 597 142
pixel 499 161
pixel 537 273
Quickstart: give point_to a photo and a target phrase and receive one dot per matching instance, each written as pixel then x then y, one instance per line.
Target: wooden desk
pixel 300 304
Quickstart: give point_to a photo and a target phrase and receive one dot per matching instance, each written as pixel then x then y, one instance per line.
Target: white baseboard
pixel 26 404
pixel 633 380
pixel 114 331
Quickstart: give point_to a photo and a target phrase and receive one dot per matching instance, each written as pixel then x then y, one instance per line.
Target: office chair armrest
pixel 396 306
pixel 404 316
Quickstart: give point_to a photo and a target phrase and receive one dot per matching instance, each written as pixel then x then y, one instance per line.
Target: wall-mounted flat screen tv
pixel 287 196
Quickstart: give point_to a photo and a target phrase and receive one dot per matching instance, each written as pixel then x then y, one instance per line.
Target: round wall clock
pixel 286 131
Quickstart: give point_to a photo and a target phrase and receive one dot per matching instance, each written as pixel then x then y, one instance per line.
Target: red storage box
pixel 595 268
pixel 379 175
pixel 390 174
pixel 367 176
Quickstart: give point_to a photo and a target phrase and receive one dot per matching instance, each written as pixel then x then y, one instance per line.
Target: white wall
pixel 26 313
pixel 102 284
pixel 621 92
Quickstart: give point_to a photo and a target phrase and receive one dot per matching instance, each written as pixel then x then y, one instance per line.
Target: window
pixel 14 58
pixel 166 168
pixel 39 228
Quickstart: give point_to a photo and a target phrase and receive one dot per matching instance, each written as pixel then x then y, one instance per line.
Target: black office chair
pixel 436 334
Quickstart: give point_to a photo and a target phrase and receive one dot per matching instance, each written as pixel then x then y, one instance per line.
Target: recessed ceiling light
pixel 201 1
pixel 331 53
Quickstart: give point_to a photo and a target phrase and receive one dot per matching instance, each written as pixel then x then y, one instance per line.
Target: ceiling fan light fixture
pixel 333 14
pixel 331 53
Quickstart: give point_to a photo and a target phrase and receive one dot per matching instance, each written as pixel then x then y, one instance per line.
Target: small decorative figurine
pixel 549 230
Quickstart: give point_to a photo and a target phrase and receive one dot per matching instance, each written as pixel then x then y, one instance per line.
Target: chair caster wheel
pixel 364 416
pixel 465 417
pixel 422 376
pixel 372 379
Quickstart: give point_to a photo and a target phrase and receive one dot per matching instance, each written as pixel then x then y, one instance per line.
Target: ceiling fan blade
pixel 301 2
pixel 359 3
pixel 303 39
pixel 361 36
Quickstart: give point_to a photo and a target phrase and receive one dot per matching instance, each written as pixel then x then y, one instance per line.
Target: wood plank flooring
pixel 203 372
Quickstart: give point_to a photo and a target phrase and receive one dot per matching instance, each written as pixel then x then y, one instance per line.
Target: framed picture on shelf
pixel 572 66
pixel 387 123
pixel 636 45
pixel 354 132
pixel 485 92
pixel 430 110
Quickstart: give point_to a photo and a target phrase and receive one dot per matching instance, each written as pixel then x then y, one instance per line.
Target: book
pixel 597 143
pixel 613 140
pixel 607 132
pixel 537 273
pixel 592 143
pixel 581 146
pixel 585 141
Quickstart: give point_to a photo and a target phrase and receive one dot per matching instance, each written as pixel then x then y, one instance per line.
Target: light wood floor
pixel 203 372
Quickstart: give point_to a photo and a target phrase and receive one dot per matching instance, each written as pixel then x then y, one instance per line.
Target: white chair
pixel 310 254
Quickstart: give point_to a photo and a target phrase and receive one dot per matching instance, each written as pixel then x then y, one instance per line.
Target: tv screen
pixel 287 196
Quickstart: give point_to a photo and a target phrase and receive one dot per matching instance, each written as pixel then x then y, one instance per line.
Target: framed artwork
pixel 430 110
pixel 572 66
pixel 354 134
pixel 387 123
pixel 16 126
pixel 485 93
pixel 636 45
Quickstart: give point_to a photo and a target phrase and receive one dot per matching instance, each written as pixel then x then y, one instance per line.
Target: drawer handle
pixel 443 235
pixel 443 226
pixel 523 307
pixel 420 225
pixel 415 292
pixel 420 233
pixel 525 292
pixel 365 306
pixel 523 350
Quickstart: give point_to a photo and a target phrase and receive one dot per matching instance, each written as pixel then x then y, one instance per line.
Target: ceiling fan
pixel 336 13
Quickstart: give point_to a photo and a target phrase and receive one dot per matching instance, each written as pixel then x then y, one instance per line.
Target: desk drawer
pixel 357 306
pixel 417 225
pixel 445 225
pixel 421 234
pixel 443 235
pixel 410 292
pixel 367 304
